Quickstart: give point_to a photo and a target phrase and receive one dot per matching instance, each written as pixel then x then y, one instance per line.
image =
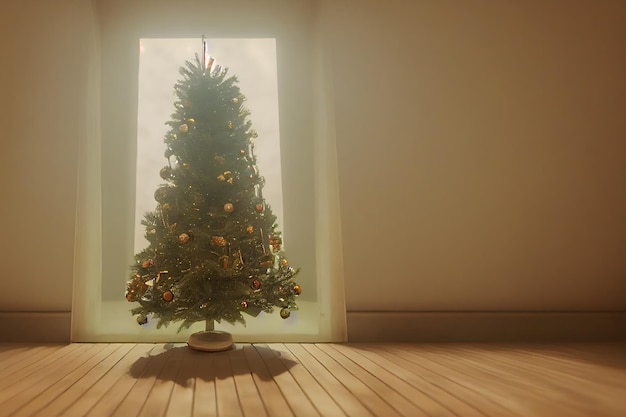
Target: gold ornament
pixel 229 207
pixel 218 241
pixel 165 206
pixel 236 100
pixel 191 121
pixel 230 180
pixel 141 320
pixel 297 290
pixel 221 178
pixel 184 128
pixel 285 313
pixel 250 229
pixel 184 238
pixel 284 262
pixel 185 165
pixel 230 125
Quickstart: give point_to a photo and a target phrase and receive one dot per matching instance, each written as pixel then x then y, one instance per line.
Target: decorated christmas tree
pixel 214 249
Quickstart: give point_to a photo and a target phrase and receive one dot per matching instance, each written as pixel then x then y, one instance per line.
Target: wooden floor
pixel 283 380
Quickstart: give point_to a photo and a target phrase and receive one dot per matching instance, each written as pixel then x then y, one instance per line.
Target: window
pixel 105 242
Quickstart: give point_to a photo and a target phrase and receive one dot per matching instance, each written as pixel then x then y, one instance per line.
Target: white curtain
pixel 105 205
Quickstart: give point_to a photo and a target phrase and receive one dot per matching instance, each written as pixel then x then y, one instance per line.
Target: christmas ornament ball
pixel 147 264
pixel 256 284
pixel 285 313
pixel 229 207
pixel 161 194
pixel 297 289
pixel 184 128
pixel 259 208
pixel 141 320
pixel 166 172
pixel 184 238
pixel 168 296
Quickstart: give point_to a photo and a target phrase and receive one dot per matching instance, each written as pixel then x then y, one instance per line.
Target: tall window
pixel 135 65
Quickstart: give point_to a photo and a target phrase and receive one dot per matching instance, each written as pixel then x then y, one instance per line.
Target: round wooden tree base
pixel 210 341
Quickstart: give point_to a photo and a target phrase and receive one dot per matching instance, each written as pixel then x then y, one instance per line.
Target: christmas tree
pixel 214 247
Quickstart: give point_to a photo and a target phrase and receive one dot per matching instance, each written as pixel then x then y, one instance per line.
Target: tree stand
pixel 210 340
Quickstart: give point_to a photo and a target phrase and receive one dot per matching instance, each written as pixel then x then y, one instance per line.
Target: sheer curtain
pixel 105 206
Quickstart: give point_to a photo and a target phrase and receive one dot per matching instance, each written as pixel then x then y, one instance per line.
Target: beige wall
pixel 43 85
pixel 482 153
pixel 481 146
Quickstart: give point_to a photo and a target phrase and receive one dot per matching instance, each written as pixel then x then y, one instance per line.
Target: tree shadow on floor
pixel 183 365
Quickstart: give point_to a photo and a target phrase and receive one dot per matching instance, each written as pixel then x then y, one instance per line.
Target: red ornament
pixel 259 208
pixel 168 296
pixel 256 284
pixel 147 264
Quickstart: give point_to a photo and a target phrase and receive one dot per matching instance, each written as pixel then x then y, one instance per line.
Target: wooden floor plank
pixel 524 396
pixel 158 399
pixel 129 403
pixel 29 356
pixel 58 397
pixel 15 396
pixel 249 396
pixel 36 367
pixel 225 389
pixel 351 405
pixel 270 393
pixel 442 401
pixel 205 400
pixel 313 380
pixel 488 401
pixel 360 389
pixel 100 392
pixel 319 397
pixel 8 352
pixel 562 387
pixel 399 403
pixel 299 403
pixel 424 404
pixel 181 401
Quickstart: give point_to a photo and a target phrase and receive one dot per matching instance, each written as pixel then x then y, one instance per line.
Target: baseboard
pixel 371 326
pixel 39 326
pixel 486 326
